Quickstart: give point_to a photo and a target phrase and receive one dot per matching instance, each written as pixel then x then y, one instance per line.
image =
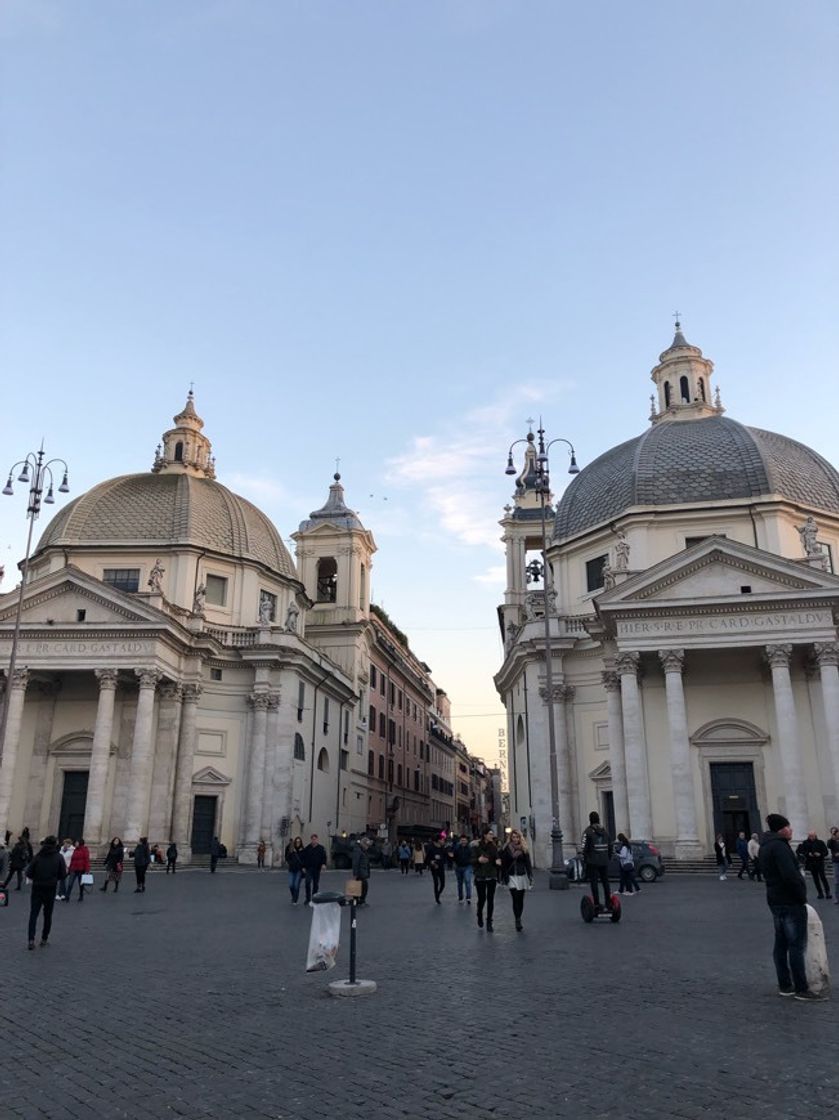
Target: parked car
pixel 649 865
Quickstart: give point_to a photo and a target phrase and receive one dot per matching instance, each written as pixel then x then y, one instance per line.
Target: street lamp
pixel 36 473
pixel 558 879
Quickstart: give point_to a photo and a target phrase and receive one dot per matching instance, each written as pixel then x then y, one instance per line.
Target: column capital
pixel 107 678
pixel 191 692
pixel 826 653
pixel 20 679
pixel 273 702
pixel 672 660
pixel 778 656
pixel 259 701
pixel 567 692
pixel 611 680
pixel 628 663
pixel 171 690
pixel 557 692
pixel 148 678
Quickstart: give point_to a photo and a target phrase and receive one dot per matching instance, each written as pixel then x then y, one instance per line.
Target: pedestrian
pixel 314 861
pixel 517 871
pixel 754 848
pixel 171 857
pixel 814 854
pixel 435 858
pixel 66 850
pixel 114 860
pixel 743 855
pixel 597 850
pixel 45 871
pixel 626 866
pixel 294 863
pixel 28 845
pixel 404 857
pixel 419 858
pixel 78 869
pixel 486 862
pixel 215 854
pixel 5 859
pixel 723 858
pixel 786 895
pixel 19 860
pixel 833 848
pixel 464 872
pixel 361 868
pixel 142 859
pixel 261 848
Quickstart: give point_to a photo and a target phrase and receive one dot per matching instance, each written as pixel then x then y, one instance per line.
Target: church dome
pixel 169 510
pixel 707 460
pixel 178 504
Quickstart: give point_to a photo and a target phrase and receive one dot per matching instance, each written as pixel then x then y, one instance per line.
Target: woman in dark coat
pixel 142 859
pixel 517 872
pixel 486 861
pixel 294 863
pixel 19 859
pixel 114 859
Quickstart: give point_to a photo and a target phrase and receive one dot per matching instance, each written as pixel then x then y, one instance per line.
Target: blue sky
pixel 390 232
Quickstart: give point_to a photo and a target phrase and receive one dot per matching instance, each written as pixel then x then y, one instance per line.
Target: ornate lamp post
pixel 558 876
pixel 37 474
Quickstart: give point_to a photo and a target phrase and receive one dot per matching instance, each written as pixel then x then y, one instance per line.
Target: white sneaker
pixel 722 878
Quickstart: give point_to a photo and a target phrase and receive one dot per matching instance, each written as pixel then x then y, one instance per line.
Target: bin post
pixel 353 917
pixel 353 986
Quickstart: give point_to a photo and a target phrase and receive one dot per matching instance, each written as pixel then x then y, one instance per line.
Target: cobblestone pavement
pixel 192 1001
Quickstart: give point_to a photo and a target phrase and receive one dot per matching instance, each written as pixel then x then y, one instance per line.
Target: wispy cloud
pixel 493 577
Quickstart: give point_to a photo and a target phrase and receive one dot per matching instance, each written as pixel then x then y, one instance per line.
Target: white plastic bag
pixel 815 956
pixel 324 937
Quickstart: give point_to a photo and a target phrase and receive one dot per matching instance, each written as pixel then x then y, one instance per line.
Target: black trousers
pixel 313 883
pixel 140 876
pixel 820 879
pixel 170 866
pixel 599 875
pixel 518 904
pixel 438 874
pixel 486 895
pixel 19 874
pixel 41 897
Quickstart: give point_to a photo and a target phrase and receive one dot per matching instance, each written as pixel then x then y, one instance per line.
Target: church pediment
pixel 58 597
pixel 719 569
pixel 209 776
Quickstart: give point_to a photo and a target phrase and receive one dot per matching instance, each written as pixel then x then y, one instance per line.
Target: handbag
pixel 87 879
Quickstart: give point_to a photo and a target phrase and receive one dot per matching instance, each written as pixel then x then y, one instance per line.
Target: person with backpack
pixel 45 871
pixel 626 864
pixel 597 850
pixel 404 857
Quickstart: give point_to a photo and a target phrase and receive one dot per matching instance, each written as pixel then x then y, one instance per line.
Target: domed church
pixel 692 605
pixel 165 684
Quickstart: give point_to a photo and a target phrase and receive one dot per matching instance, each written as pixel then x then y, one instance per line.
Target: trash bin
pixel 325 934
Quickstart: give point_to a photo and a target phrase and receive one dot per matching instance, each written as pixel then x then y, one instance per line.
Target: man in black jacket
pixel 786 894
pixel 597 849
pixel 313 858
pixel 45 870
pixel 814 853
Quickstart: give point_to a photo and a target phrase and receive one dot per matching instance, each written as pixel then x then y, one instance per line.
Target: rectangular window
pixel 828 551
pixel 392 694
pixel 400 736
pixel 359 744
pixel 267 607
pixel 81 615
pixel 123 579
pixel 371 763
pixel 345 759
pixel 382 767
pixel 346 727
pixel 325 714
pixel 215 674
pixel 372 676
pixel 390 770
pixel 399 774
pixel 372 720
pixel 216 590
pixel 594 573
pixel 416 781
pixel 382 683
pixel 399 699
pixel 382 722
pixel 301 701
pixel 391 732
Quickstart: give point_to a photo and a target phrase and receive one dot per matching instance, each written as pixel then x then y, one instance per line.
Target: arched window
pixel 666 394
pixel 327 580
pixel 701 384
pixel 179 452
pixel 684 388
pixel 299 748
pixel 323 760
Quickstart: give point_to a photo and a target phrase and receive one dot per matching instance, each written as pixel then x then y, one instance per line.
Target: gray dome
pixel 169 509
pixel 675 463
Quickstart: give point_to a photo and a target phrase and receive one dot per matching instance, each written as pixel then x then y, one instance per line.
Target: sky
pixel 390 233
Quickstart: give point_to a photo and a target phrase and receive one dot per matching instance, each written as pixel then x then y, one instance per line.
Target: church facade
pixel 693 608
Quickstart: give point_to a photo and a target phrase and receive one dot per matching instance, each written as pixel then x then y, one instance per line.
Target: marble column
pixel 563 770
pixel 142 758
pixel 571 825
pixel 170 696
pixel 684 803
pixel 635 748
pixel 15 696
pixel 795 798
pixel 827 657
pixel 100 754
pixel 182 797
pixel 617 760
pixel 256 773
pixel 267 830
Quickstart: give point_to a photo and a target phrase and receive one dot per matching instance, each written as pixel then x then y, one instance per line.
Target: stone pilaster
pixel 15 697
pixel 142 758
pixel 795 798
pixel 182 797
pixel 687 835
pixel 170 695
pixel 268 830
pixel 827 657
pixel 563 768
pixel 637 779
pixel 617 759
pixel 100 754
pixel 256 775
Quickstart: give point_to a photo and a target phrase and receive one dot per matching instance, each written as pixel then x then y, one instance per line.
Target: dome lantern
pixel 185 449
pixel 683 381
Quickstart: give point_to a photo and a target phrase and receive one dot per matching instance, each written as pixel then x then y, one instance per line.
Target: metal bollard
pixel 353 986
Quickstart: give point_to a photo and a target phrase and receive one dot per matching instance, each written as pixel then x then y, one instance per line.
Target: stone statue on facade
pixel 266 609
pixel 156 578
pixel 621 552
pixel 199 599
pixel 608 575
pixel 291 616
pixel 808 532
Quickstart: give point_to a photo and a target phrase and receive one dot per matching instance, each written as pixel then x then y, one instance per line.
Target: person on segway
pixel 597 848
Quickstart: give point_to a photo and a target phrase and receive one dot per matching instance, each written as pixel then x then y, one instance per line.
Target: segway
pixel 590 912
